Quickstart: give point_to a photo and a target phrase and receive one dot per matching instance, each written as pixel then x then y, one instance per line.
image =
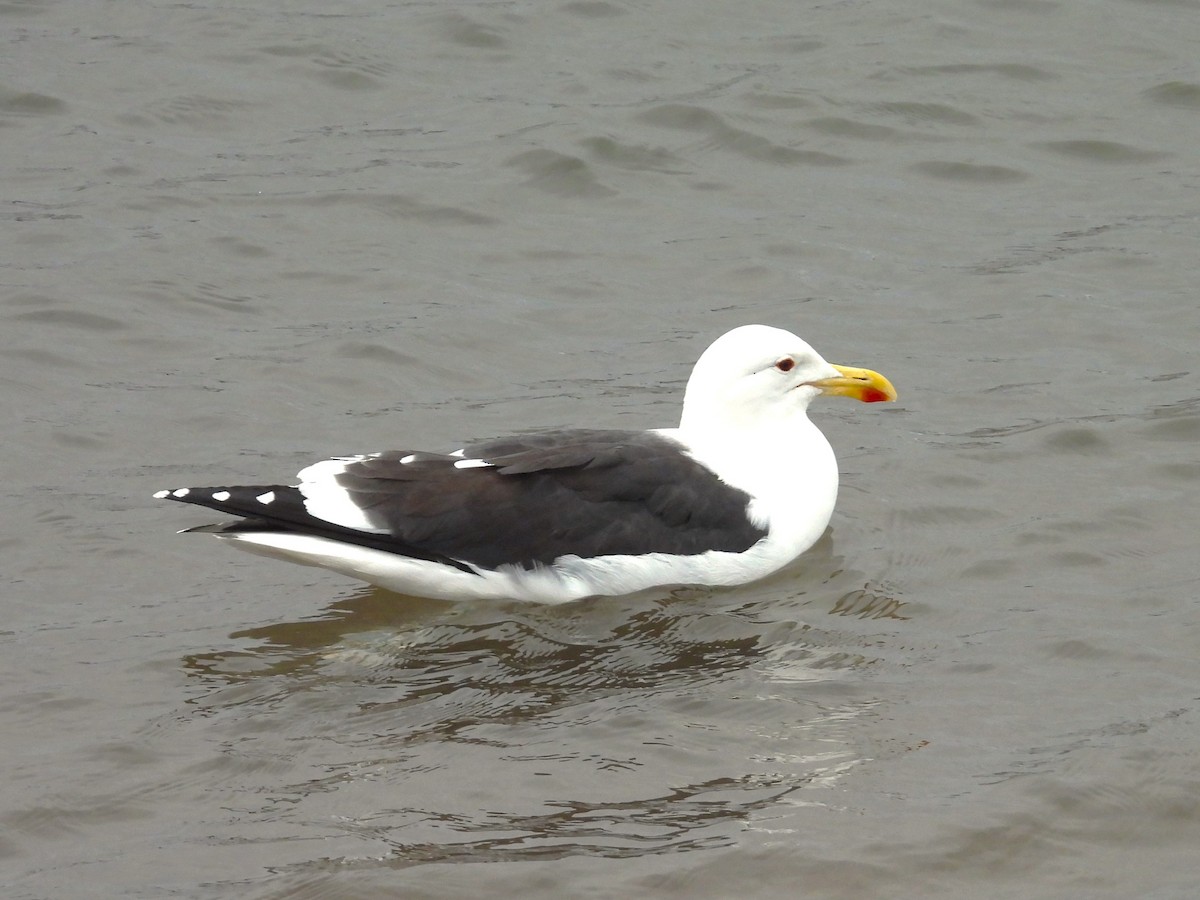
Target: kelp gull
pixel 742 487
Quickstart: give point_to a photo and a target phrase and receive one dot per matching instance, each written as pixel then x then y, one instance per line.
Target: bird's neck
pixel 786 466
pixel 757 450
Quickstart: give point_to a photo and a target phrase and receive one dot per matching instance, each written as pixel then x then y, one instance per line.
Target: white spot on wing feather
pixel 220 496
pixel 268 497
pixel 161 495
pixel 180 492
pixel 471 464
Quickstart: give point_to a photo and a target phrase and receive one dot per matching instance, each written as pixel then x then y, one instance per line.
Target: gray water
pixel 241 237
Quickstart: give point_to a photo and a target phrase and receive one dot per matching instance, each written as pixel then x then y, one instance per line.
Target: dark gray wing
pixel 582 492
pixel 586 493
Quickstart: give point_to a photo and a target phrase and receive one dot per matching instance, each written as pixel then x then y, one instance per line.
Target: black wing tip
pixel 271 501
pixel 263 511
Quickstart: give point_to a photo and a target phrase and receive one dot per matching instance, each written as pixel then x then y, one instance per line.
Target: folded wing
pixel 518 501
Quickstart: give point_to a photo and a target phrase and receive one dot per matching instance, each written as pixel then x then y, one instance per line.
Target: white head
pixel 756 376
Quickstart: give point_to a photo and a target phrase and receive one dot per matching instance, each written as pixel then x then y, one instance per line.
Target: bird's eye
pixel 786 364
